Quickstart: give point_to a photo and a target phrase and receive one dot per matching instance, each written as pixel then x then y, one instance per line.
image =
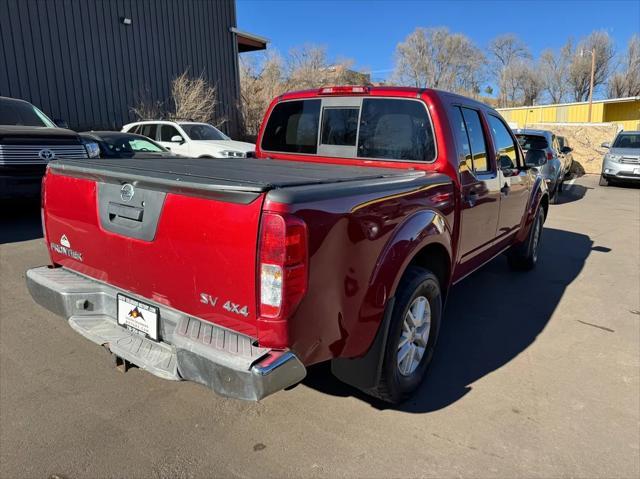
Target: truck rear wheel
pixel 413 332
pixel 524 256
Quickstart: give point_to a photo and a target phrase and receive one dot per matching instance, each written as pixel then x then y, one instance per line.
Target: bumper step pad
pixel 157 358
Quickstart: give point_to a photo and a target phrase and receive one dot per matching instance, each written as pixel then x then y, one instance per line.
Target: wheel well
pixel 435 258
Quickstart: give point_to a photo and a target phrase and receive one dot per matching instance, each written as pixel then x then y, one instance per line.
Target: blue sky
pixel 368 31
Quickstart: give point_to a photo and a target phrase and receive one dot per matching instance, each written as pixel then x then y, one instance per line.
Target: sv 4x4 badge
pixel 229 306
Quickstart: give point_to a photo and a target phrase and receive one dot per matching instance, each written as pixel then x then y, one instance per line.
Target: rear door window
pixel 293 127
pixel 477 140
pixel 149 130
pixel 395 129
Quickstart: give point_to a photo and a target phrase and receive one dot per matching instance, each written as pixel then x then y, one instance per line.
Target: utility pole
pixel 593 67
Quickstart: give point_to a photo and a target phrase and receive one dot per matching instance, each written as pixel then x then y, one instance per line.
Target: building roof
pixel 248 42
pixel 609 100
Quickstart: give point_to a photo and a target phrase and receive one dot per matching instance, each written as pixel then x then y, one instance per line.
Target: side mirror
pixel 535 158
pixel 60 123
pixel 606 144
pixel 177 139
pixel 566 149
pixel 168 148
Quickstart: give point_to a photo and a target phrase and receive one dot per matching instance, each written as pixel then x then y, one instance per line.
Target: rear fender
pixel 415 233
pixel 539 197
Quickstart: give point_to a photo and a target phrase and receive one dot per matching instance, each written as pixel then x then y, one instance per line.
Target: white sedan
pixel 197 140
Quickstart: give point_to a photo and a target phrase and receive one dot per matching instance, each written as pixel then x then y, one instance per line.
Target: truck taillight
pixel 549 155
pixel 282 266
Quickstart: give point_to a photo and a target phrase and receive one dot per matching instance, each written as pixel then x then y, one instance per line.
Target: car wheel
pixel 603 181
pixel 524 256
pixel 413 332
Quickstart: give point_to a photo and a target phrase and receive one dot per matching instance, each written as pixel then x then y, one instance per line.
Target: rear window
pixel 293 127
pixel 532 142
pixel 376 128
pixel 627 140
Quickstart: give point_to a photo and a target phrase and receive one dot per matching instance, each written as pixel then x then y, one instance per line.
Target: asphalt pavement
pixel 536 375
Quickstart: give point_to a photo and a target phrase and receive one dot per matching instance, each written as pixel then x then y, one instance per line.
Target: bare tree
pixel 436 58
pixel 192 98
pixel 626 81
pixel 554 70
pixel 601 45
pixel 507 48
pixel 505 51
pixel 261 80
pixel 195 99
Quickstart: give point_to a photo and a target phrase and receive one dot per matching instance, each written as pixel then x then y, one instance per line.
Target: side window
pixel 167 132
pixel 462 139
pixel 477 141
pixel 339 126
pixel 507 151
pixel 395 129
pixel 149 131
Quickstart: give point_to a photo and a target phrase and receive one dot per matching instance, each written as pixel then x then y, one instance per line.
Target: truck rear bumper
pixel 191 349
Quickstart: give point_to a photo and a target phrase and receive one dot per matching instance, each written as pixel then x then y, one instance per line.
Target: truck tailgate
pixel 181 232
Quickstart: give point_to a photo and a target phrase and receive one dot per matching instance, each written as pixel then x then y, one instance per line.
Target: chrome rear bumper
pixel 227 362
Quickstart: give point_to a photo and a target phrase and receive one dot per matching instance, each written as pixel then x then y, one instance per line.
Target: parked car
pixel 115 144
pixel 28 141
pixel 339 243
pixel 554 169
pixel 622 161
pixel 198 140
pixel 566 154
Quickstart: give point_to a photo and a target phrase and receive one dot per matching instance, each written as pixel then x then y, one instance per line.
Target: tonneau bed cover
pixel 248 175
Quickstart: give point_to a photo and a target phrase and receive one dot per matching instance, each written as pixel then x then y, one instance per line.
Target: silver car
pixel 552 169
pixel 622 161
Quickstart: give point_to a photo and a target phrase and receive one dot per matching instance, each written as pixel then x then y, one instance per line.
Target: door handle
pixel 505 189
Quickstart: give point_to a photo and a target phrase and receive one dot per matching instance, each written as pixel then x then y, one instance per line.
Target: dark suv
pixel 28 141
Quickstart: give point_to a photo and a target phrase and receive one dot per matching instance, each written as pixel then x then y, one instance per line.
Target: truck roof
pixel 399 91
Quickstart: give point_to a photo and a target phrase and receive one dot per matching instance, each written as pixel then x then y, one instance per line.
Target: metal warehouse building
pixel 623 111
pixel 89 61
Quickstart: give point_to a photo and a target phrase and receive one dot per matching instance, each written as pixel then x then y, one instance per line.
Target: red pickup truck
pixel 339 242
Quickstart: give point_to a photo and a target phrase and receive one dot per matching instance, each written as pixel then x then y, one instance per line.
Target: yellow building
pixel 623 111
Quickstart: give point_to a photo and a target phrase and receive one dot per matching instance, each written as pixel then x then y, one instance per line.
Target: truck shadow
pixel 491 317
pixel 19 221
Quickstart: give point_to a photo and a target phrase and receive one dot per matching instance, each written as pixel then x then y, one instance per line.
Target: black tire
pixel 523 257
pixel 555 196
pixel 603 181
pixel 394 386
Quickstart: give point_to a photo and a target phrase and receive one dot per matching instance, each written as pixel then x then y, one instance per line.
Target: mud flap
pixel 364 373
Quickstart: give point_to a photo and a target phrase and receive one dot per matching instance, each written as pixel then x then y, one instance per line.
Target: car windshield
pixel 202 131
pixel 22 113
pixel 120 144
pixel 532 142
pixel 627 140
